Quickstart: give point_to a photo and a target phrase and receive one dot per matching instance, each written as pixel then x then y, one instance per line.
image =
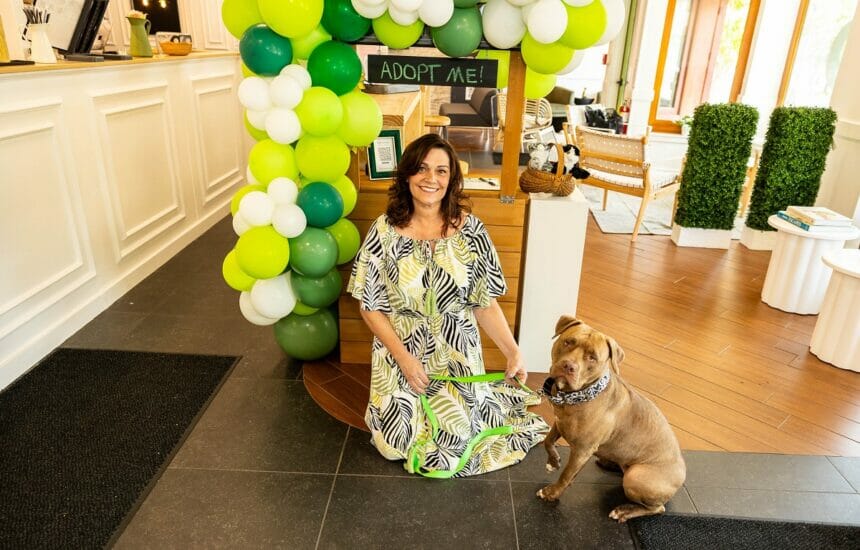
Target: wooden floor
pixel 729 372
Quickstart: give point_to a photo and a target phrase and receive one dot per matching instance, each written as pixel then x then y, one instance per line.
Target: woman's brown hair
pixel 400 206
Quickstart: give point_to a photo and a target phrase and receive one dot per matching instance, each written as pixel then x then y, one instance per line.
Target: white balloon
pixel 373 2
pixel 257 119
pixel 402 17
pixel 299 74
pixel 525 11
pixel 289 220
pixel 369 9
pixel 251 314
pixel 503 25
pixel 254 94
pixel 239 224
pixel 286 92
pixel 406 5
pixel 282 191
pixel 578 56
pixel 273 298
pixel 521 3
pixel 577 3
pixel 249 176
pixel 256 208
pixel 547 21
pixel 436 13
pixel 615 17
pixel 283 126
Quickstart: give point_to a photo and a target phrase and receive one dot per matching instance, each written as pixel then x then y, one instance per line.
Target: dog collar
pixel 575 397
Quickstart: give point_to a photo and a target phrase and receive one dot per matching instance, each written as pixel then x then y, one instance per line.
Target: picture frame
pixel 383 154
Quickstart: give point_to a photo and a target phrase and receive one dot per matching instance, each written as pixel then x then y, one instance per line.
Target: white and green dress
pixel 429 294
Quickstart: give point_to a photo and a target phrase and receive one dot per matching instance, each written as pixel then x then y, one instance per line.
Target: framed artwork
pixel 384 154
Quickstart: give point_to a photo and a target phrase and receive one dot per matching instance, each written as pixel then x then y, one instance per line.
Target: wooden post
pixel 513 128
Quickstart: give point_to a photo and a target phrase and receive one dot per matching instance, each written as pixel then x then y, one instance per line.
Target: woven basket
pixel 176 48
pixel 538 181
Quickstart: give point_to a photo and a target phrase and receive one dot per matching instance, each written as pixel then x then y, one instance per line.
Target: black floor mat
pixel 84 433
pixel 671 532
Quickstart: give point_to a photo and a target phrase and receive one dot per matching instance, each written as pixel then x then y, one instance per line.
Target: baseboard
pixel 701 238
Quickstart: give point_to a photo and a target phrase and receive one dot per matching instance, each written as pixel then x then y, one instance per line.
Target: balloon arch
pixel 304 107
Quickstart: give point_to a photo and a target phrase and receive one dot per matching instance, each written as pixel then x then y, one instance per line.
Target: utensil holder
pixel 40 45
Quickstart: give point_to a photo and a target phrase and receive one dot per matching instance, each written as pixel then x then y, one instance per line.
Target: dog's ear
pixel 564 323
pixel 616 354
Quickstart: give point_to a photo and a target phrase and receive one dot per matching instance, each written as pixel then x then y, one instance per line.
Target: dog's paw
pixel 549 493
pixel 551 467
pixel 629 511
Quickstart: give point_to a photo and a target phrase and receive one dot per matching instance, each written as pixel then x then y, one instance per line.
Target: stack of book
pixel 815 219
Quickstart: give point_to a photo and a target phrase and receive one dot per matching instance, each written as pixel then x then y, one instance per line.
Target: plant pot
pixel 701 238
pixel 755 239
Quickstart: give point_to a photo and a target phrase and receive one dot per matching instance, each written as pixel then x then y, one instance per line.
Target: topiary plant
pixel 719 147
pixel 792 161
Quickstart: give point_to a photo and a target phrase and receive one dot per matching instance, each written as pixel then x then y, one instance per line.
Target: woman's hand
pixel 515 369
pixel 413 370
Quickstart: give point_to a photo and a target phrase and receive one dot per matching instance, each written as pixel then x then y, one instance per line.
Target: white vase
pixel 40 45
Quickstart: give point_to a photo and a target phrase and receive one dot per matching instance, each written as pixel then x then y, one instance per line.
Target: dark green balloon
pixel 321 203
pixel 264 51
pixel 318 291
pixel 313 253
pixel 461 35
pixel 342 21
pixel 336 66
pixel 307 337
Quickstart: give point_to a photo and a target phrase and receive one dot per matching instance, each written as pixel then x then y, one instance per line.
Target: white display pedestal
pixel 836 338
pixel 553 264
pixel 796 278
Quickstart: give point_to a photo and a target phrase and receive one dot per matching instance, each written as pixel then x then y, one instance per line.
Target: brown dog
pixel 600 414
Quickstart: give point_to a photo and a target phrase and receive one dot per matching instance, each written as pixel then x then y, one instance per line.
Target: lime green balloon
pixel 362 119
pixel 291 18
pixel 504 64
pixel 545 58
pixel 317 291
pixel 246 72
pixel 461 35
pixel 307 337
pixel 238 15
pixel 269 160
pixel 304 45
pixel 313 253
pixel 396 36
pixel 538 85
pixel 233 274
pixel 244 190
pixel 255 133
pixel 262 252
pixel 303 181
pixel 585 25
pixel 322 158
pixel 320 111
pixel 302 309
pixel 347 191
pixel 347 237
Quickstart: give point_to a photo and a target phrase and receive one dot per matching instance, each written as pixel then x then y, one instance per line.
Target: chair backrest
pixel 536 112
pixel 482 102
pixel 612 153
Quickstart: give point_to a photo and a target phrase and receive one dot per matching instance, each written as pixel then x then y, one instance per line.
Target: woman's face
pixel 429 185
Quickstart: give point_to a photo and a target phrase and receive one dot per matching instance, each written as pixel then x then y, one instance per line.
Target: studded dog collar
pixel 575 397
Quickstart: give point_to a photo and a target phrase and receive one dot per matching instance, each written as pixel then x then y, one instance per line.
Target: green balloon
pixel 545 58
pixel 321 203
pixel 238 15
pixel 264 51
pixel 321 158
pixel 246 72
pixel 291 18
pixel 256 133
pixel 362 119
pixel 320 111
pixel 538 85
pixel 307 337
pixel 343 22
pixel 348 193
pixel 244 190
pixel 269 159
pixel 304 45
pixel 335 65
pixel 233 274
pixel 347 237
pixel 262 252
pixel 462 33
pixel 302 309
pixel 585 25
pixel 465 3
pixel 317 291
pixel 396 36
pixel 313 253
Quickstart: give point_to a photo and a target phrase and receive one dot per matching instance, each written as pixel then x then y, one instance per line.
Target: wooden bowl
pixel 175 48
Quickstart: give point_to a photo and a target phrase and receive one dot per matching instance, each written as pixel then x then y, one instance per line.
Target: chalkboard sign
pixel 435 71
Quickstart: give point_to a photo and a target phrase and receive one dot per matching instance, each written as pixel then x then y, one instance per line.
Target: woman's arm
pixel 412 368
pixel 493 321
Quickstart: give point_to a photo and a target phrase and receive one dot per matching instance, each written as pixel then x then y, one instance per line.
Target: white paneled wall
pixel 106 173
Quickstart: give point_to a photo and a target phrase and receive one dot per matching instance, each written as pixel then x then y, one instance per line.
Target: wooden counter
pixel 403 112
pixel 62 65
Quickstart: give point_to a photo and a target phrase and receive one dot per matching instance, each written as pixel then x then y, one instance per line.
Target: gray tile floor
pixel 265 467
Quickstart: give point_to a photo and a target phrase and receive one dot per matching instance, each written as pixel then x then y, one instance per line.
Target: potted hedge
pixel 718 149
pixel 792 162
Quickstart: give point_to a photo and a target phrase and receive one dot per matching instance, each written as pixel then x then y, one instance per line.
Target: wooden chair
pixel 617 163
pixel 537 117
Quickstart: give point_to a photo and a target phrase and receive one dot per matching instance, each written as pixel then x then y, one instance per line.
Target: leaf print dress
pixel 429 295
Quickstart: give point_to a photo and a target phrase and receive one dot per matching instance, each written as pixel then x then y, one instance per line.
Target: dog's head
pixel 581 354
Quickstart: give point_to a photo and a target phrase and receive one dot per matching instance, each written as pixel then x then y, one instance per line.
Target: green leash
pixel 413 462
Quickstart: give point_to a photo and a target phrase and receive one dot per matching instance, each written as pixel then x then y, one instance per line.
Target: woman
pixel 427 271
